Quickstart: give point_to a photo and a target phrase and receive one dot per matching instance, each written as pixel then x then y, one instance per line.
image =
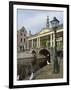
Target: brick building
pixel 21 39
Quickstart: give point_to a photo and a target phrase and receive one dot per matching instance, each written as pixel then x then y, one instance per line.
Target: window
pixel 21 39
pixel 21 34
pixel 24 40
pixel 24 35
pixel 23 48
pixel 20 48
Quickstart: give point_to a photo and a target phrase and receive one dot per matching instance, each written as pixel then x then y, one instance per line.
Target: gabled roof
pixel 44 30
pixel 22 29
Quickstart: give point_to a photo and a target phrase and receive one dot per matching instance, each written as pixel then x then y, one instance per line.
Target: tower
pixel 29 32
pixel 47 22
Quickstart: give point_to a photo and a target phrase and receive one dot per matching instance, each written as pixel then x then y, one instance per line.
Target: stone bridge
pixel 50 50
pixel 37 50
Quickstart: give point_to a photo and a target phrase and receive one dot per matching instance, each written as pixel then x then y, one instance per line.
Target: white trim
pixel 44 34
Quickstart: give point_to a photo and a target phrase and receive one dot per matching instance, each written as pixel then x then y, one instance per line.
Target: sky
pixel 35 20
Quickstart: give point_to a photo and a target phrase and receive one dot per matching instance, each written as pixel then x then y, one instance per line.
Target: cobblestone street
pixel 47 72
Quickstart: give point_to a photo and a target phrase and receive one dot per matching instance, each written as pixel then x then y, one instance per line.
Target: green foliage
pixel 47 43
pixel 44 43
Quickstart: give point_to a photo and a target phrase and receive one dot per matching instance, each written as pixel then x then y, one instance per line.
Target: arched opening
pixel 33 52
pixel 46 53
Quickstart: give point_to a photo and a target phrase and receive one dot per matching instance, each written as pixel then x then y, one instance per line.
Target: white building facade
pixel 45 38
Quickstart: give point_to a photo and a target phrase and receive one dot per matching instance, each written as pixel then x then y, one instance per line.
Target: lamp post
pixel 54 24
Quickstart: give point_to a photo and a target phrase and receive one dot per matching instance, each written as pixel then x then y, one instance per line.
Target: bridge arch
pixel 46 53
pixel 33 51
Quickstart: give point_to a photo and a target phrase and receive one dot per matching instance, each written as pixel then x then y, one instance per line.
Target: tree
pixel 44 43
pixel 47 43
